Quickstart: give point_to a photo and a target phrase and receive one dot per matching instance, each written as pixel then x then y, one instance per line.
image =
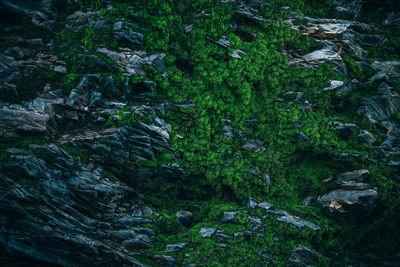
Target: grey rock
pixel 304 256
pixel 175 247
pixel 349 206
pixel 184 218
pixel 366 137
pixel 18 121
pixel 301 138
pixel 357 176
pixel 380 106
pixel 41 10
pixel 297 222
pixel 124 32
pixel 230 217
pixel 110 86
pixel 221 235
pixel 207 232
pixel 253 203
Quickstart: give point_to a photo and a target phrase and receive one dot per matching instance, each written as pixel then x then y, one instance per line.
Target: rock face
pixel 36 118
pixel 51 208
pixel 349 205
pixel 380 106
pixel 40 10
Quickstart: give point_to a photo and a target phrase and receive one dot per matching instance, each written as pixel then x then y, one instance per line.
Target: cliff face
pixel 199 133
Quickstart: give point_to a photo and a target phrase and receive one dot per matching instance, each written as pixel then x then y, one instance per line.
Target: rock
pixel 297 221
pixel 184 218
pixel 254 145
pixel 17 121
pixel 100 62
pixel 357 176
pixel 230 217
pixel 54 206
pixel 366 137
pixel 307 201
pixel 39 10
pixel 221 235
pixel 8 69
pixel 110 87
pixel 334 85
pixel 86 93
pixel 248 13
pixel 123 32
pixel 136 244
pixel 304 256
pixel 380 106
pixel 252 203
pixel 207 232
pixel 349 206
pixel 301 138
pixel 175 247
pixel 236 52
pixel 223 42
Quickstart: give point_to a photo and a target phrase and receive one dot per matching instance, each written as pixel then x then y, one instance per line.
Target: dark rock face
pixel 304 256
pixel 349 205
pixel 40 10
pixel 381 106
pixel 35 119
pixel 58 214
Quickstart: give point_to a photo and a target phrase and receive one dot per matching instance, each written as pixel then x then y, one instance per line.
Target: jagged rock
pixel 175 247
pixel 40 10
pixel 221 235
pixel 207 232
pixel 366 137
pixel 124 32
pixel 8 69
pixel 252 203
pixel 304 256
pixel 253 144
pixel 391 144
pixel 86 93
pixel 230 217
pixel 297 221
pixel 35 119
pixel 100 62
pixel 140 242
pixel 357 176
pixel 248 13
pixel 349 206
pixel 56 213
pixel 110 86
pixel 132 61
pixel 184 218
pixel 245 234
pixel 380 106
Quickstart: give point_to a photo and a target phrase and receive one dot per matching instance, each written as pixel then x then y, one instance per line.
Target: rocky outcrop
pixel 351 204
pixel 57 210
pixel 34 118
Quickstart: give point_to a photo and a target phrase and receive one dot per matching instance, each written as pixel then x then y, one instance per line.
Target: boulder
pixel 175 247
pixel 349 206
pixel 207 232
pixel 184 218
